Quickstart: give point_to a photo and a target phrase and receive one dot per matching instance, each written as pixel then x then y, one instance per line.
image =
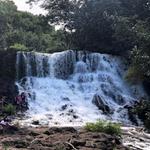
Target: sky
pixel 36 10
pixel 22 6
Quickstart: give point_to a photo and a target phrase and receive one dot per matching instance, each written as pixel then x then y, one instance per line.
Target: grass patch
pixel 9 109
pixel 5 147
pixel 104 126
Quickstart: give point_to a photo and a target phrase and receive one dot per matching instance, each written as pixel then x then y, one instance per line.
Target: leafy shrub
pixel 142 110
pixel 134 75
pixel 103 126
pixel 113 128
pixel 19 47
pixel 9 109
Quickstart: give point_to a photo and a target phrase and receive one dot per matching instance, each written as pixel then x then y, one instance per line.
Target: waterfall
pixel 73 87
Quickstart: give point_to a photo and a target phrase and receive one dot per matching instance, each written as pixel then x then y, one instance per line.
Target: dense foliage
pixel 24 31
pixel 103 126
pixel 119 27
pixel 9 109
pixel 142 110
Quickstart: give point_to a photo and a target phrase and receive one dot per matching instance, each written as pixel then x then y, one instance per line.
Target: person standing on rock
pixel 24 100
pixel 21 101
pixel 18 100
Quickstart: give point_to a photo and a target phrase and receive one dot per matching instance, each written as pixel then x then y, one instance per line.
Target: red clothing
pixel 18 100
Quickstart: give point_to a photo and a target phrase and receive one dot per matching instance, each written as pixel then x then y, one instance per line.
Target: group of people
pixel 21 101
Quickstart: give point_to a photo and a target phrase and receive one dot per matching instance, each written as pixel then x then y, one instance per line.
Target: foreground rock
pixel 66 138
pixel 136 138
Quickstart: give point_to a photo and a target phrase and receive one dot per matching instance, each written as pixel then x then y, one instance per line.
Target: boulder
pixel 79 142
pixel 54 130
pixel 101 104
pixel 36 122
pixel 119 99
pixel 64 107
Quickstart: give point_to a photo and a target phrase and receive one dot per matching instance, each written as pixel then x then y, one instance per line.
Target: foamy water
pixel 62 87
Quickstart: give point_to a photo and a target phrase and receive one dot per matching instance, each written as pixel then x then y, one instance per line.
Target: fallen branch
pixel 71 145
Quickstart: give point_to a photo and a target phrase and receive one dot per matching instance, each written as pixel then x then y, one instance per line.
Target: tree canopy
pixel 23 28
pixel 119 27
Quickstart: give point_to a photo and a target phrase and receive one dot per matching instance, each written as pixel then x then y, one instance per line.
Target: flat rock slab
pixel 66 138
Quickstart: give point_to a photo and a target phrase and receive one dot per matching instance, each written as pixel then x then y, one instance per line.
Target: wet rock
pixel 64 107
pixel 62 130
pixel 132 116
pixel 75 117
pixel 47 132
pixel 15 142
pixel 65 99
pixel 36 122
pixel 8 129
pixel 29 138
pixel 119 99
pixel 101 104
pixel 78 143
pixel 21 144
pixel 32 133
pixel 61 114
pixel 117 141
pixel 71 111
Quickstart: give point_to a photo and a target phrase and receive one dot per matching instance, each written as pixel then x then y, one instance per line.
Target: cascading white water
pixel 63 87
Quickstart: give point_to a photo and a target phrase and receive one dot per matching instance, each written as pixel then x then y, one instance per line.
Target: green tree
pixel 23 28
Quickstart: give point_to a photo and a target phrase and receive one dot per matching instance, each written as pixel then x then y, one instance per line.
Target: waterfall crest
pixel 71 88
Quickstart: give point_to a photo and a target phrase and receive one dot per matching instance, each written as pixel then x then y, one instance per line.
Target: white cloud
pixel 22 6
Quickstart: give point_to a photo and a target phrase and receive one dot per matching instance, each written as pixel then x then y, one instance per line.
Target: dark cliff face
pixel 7 64
pixel 147 87
pixel 8 74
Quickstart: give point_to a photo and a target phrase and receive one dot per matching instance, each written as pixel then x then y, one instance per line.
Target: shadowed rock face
pixel 8 74
pixel 147 87
pixel 8 89
pixel 101 104
pixel 8 65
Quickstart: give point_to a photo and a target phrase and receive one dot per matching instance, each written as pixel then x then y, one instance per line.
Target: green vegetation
pixel 143 112
pixel 103 126
pixel 19 47
pixel 134 75
pixel 24 31
pixel 120 27
pixel 9 109
pixel 5 147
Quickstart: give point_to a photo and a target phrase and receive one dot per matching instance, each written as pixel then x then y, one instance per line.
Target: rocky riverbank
pixel 66 138
pixel 136 138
